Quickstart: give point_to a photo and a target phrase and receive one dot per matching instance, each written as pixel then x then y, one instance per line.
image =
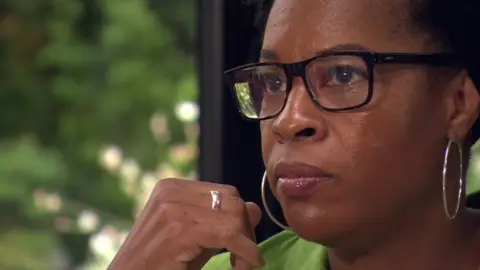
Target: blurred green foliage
pixel 473 175
pixel 76 76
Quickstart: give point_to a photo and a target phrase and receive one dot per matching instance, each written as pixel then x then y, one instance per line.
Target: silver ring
pixel 215 200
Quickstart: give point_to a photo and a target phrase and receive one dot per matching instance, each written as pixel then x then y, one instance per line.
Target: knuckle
pixel 165 183
pixel 238 206
pixel 227 233
pixel 236 226
pixel 163 188
pixel 230 190
pixel 175 230
pixel 167 211
pixel 162 195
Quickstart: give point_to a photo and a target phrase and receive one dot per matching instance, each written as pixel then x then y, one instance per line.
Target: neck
pixel 416 241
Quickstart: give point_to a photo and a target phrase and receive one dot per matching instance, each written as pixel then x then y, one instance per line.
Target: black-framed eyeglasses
pixel 336 81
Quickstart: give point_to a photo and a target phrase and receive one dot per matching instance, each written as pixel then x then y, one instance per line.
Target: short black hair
pixel 451 23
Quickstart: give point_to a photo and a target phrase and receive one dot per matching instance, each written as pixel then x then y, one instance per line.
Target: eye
pixel 272 82
pixel 344 75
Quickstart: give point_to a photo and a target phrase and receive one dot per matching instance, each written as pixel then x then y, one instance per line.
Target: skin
pixel 384 208
pixel 386 157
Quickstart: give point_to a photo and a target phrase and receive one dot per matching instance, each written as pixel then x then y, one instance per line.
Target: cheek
pixel 392 144
pixel 373 157
pixel 267 138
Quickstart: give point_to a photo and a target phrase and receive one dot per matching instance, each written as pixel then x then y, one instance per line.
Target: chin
pixel 317 226
pixel 323 235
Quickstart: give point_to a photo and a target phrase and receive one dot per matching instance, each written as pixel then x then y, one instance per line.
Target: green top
pixel 283 251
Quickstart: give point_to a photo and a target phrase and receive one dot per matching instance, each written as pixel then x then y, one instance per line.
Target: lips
pixel 296 179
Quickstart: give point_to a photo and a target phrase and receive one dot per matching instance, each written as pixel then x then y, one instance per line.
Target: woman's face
pixel 382 161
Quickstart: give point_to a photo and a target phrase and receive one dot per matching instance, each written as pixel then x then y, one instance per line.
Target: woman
pixel 366 110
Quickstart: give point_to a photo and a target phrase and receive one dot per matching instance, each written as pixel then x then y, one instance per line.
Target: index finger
pixel 238 244
pixel 201 187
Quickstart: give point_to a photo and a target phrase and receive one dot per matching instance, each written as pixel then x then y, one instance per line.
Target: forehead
pixel 299 29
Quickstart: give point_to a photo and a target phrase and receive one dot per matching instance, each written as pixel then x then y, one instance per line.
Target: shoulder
pixel 284 250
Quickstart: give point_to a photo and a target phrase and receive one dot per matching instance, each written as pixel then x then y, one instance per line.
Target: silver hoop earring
pixel 265 205
pixel 444 181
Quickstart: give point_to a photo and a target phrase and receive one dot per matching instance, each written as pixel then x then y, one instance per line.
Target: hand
pixel 179 230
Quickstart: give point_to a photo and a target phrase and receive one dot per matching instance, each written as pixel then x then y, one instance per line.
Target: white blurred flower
pixel 149 180
pixel 159 127
pixel 122 236
pixel 102 244
pixel 140 204
pixel 111 158
pixel 88 221
pixel 187 111
pixel 129 174
pixel 39 198
pixel 49 202
pixel 53 202
pixel 130 170
pixel 182 153
pixel 165 170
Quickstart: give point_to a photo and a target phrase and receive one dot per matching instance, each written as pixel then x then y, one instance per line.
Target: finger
pixel 194 198
pixel 254 214
pixel 198 238
pixel 161 216
pixel 201 187
pixel 188 192
pixel 237 243
pixel 242 265
pixel 170 246
pixel 179 212
pixel 247 250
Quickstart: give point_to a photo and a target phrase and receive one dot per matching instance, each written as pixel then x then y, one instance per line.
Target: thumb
pixel 254 214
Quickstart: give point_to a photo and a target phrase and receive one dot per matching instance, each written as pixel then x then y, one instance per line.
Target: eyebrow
pixel 266 54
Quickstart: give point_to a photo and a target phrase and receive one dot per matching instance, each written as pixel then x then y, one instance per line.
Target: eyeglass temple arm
pixel 436 59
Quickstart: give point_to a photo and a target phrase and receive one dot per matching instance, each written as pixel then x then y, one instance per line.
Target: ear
pixel 465 107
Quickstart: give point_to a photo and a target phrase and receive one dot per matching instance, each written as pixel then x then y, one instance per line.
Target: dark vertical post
pixel 210 67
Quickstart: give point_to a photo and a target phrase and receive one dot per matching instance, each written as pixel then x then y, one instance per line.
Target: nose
pixel 301 119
